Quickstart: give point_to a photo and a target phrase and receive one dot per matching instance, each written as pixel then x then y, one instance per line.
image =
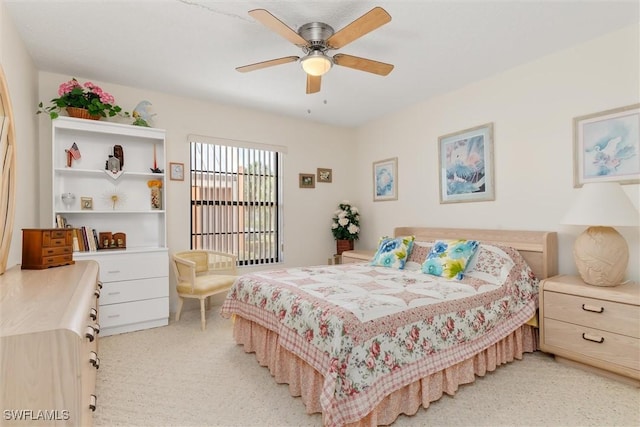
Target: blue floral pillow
pixel 393 252
pixel 449 258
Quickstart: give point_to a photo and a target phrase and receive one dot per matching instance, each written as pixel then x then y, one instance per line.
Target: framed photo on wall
pixel 176 171
pixel 385 180
pixel 307 180
pixel 325 175
pixel 606 146
pixel 466 165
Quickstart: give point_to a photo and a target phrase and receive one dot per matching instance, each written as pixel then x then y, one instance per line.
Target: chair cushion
pixel 208 284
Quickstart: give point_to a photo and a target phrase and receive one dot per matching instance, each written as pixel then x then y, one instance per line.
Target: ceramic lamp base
pixel 601 255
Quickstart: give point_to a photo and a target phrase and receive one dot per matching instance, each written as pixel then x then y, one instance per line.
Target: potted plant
pixel 86 101
pixel 345 226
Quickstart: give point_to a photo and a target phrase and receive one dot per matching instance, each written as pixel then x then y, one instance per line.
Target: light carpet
pixel 180 376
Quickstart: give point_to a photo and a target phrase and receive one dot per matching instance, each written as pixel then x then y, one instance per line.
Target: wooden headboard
pixel 538 248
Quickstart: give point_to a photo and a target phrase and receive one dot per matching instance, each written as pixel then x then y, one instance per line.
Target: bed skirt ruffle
pixel 306 383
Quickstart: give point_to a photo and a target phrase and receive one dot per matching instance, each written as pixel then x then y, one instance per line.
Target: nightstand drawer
pixel 618 349
pixel 594 313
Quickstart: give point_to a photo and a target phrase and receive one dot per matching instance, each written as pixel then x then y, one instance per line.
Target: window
pixel 236 199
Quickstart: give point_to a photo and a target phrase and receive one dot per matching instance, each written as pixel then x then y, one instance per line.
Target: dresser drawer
pixel 133 290
pixel 606 346
pixel 132 266
pixel 60 237
pixel 133 312
pixel 594 313
pixel 57 260
pixel 60 250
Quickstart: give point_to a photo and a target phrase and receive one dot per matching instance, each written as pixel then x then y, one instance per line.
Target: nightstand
pixel 357 256
pixel 593 327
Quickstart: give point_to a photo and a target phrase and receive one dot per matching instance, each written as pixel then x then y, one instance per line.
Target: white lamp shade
pixel 603 204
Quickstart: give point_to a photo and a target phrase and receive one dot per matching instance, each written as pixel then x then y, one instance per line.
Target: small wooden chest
pixel 46 247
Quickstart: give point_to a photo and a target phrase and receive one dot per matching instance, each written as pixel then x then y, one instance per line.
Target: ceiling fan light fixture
pixel 316 63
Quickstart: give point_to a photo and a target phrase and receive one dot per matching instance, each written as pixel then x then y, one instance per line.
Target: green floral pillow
pixel 449 258
pixel 393 252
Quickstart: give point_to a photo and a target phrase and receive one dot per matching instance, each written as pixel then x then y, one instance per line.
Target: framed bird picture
pixel 606 146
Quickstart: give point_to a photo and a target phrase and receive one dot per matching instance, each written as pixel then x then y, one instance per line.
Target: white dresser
pixel 135 293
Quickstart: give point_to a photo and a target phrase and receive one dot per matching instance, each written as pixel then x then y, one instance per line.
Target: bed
pixel 362 344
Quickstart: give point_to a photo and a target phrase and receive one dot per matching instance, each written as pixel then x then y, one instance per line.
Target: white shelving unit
pixel 136 279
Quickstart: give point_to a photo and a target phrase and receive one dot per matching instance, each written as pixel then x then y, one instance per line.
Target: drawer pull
pixel 93 313
pixel 596 340
pixel 592 308
pixel 92 402
pixel 113 316
pixel 94 360
pixel 90 333
pixel 114 293
pixel 113 271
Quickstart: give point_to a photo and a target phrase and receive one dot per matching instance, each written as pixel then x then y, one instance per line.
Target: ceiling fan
pixel 316 39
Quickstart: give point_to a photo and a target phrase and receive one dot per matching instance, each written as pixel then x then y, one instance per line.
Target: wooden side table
pixel 594 327
pixel 357 256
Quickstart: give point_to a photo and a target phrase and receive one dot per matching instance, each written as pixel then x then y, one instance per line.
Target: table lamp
pixel 601 254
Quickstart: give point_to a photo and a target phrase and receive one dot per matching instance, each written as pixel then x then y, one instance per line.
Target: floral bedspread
pixel 372 330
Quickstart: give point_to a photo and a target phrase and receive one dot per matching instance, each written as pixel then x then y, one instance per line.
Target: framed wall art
pixel 307 180
pixel 606 146
pixel 385 180
pixel 466 165
pixel 325 175
pixel 176 171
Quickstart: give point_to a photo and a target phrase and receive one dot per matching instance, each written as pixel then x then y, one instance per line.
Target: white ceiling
pixel 190 48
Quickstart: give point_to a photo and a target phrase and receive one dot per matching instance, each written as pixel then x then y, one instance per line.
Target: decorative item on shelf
pixel 155 185
pixel 155 168
pixel 108 240
pixel 345 226
pixel 68 199
pixel 141 115
pixel 118 153
pixel 85 101
pixel 113 167
pixel 601 254
pixel 114 199
pixel 86 203
pixel 73 153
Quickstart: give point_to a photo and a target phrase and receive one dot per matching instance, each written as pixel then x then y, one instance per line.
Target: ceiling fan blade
pixel 265 64
pixel 276 25
pixel 368 22
pixel 362 64
pixel 313 83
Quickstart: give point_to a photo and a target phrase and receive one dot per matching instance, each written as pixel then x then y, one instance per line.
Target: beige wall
pixel 531 107
pixel 21 75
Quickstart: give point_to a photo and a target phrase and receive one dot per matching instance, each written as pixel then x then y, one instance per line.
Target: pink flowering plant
pixel 88 96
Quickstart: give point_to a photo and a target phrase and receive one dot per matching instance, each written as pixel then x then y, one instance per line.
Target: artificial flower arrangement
pixel 87 96
pixel 154 183
pixel 346 222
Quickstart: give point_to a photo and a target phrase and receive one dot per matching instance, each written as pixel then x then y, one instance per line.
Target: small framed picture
pixel 307 180
pixel 385 180
pixel 176 171
pixel 325 175
pixel 86 203
pixel 606 146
